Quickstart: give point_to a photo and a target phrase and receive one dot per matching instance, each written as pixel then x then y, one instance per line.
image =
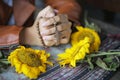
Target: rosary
pixel 56 34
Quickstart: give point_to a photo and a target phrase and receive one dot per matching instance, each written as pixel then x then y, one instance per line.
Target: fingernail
pixel 42 33
pixel 44 38
pixel 50 15
pixel 44 24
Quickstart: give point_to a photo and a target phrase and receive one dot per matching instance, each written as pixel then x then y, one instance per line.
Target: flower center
pixel 89 35
pixel 28 57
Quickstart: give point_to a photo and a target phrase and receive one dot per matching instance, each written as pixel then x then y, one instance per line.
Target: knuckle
pixel 49 43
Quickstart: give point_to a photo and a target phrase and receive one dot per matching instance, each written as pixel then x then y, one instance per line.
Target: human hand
pixel 55 30
pixel 48 29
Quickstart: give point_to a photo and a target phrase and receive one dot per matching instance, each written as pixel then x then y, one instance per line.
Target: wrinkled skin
pixel 54 29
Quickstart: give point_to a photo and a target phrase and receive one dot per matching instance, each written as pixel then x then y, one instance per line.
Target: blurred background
pixel 104 10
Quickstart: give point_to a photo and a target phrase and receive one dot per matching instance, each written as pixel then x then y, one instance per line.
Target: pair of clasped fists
pixel 53 29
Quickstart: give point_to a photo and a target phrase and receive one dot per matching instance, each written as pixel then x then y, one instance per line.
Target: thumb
pixel 45 13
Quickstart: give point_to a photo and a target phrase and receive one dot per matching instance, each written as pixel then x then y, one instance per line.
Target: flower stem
pixel 104 53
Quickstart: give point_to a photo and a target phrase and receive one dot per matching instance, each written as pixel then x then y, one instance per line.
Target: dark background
pixel 104 10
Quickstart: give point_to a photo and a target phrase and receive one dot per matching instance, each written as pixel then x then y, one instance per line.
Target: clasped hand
pixel 54 29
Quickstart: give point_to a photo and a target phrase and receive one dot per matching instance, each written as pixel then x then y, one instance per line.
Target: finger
pixel 64 40
pixel 49 42
pixel 49 37
pixel 65 34
pixel 55 19
pixel 61 18
pixel 36 23
pixel 64 26
pixel 50 31
pixel 46 12
pixel 43 20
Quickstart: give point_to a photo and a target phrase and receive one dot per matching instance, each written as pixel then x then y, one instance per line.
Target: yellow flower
pixel 86 32
pixel 84 41
pixel 29 62
pixel 75 53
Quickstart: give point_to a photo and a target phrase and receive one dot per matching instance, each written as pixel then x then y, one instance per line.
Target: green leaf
pixel 101 64
pixel 91 66
pixel 1 54
pixel 114 66
pixel 108 59
pixel 111 66
pixel 5 62
pixel 91 25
